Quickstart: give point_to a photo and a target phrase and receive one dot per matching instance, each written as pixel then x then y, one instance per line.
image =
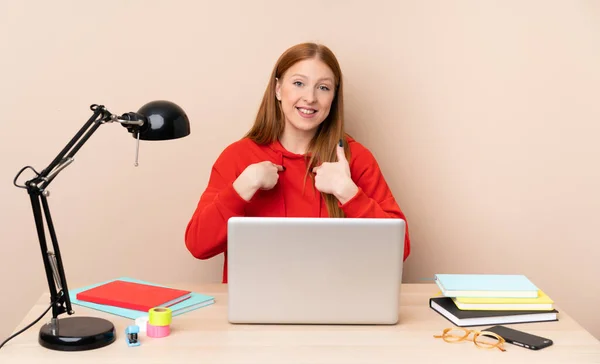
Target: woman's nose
pixel 310 96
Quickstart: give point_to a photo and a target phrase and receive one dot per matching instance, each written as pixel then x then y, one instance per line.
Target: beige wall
pixel 483 115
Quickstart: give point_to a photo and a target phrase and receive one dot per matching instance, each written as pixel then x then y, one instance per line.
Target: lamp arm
pixel 98 110
pixel 38 193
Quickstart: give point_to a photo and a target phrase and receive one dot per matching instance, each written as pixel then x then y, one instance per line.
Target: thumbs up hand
pixel 334 177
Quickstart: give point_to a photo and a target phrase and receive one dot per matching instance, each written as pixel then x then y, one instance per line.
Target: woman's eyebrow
pixel 321 79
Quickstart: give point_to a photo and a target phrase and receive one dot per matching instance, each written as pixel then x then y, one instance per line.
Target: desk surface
pixel 205 336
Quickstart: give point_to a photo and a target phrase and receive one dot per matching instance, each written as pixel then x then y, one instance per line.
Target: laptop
pixel 314 270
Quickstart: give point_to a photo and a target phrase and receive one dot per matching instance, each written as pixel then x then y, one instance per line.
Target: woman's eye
pixel 324 88
pixel 298 83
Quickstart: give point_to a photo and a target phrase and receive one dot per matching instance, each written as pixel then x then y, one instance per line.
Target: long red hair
pixel 270 120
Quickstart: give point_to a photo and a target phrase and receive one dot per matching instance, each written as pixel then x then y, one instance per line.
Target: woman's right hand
pixel 263 176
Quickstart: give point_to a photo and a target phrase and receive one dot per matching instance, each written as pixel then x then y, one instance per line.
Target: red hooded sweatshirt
pixel 206 232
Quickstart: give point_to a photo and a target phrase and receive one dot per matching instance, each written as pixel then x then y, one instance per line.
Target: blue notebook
pixel 485 285
pixel 196 301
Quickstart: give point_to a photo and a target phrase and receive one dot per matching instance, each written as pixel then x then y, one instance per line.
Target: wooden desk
pixel 205 336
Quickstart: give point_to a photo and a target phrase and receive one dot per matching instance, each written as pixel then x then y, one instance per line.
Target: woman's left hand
pixel 334 177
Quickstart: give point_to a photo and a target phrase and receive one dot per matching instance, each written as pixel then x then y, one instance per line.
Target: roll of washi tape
pixel 142 322
pixel 159 316
pixel 157 331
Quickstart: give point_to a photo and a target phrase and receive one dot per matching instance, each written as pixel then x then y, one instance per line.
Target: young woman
pixel 296 160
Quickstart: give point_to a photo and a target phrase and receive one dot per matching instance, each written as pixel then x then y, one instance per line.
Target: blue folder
pixel 196 301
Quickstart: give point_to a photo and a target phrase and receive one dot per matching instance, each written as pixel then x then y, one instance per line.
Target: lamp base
pixel 77 334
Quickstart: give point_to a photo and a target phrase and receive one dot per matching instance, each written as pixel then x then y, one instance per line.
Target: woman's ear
pixel 277 89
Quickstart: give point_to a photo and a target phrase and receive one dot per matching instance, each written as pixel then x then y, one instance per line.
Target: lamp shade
pixel 164 120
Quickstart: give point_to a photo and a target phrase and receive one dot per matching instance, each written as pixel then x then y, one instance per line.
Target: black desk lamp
pixel 157 120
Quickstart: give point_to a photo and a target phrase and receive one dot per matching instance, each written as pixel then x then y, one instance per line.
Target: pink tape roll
pixel 157 331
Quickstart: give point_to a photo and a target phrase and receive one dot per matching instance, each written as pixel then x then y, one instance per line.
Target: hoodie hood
pixel 278 148
pixel 281 152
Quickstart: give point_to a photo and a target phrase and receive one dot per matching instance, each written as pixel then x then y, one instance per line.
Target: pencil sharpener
pixel 131 335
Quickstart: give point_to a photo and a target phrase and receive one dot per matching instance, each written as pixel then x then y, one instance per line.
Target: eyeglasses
pixel 482 339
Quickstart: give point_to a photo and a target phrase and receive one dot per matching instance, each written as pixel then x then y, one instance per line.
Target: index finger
pixel 280 168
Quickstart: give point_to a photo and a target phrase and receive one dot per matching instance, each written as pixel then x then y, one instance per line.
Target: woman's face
pixel 306 91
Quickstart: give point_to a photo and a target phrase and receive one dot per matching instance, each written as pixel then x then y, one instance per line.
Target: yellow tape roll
pixel 159 316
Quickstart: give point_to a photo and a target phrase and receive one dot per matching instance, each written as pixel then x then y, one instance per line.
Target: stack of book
pixel 491 299
pixel 133 298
